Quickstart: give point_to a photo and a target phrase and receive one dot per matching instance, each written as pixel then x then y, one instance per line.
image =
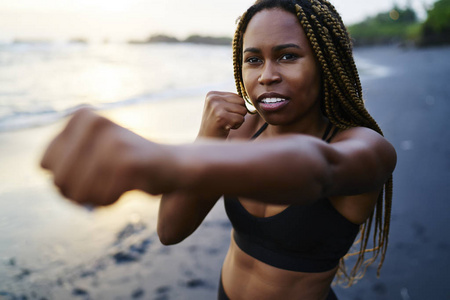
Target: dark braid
pixel 342 104
pixel 237 59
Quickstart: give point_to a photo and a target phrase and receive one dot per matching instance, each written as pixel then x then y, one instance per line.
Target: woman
pixel 301 177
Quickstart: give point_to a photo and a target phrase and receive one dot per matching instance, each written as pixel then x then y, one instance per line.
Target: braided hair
pixel 342 104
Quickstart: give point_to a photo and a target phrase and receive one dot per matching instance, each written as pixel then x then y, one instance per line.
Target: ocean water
pixel 43 82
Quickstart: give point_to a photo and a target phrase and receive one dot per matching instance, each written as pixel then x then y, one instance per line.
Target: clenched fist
pixel 223 111
pixel 94 161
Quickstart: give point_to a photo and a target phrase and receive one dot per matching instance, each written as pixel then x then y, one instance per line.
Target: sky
pixel 139 19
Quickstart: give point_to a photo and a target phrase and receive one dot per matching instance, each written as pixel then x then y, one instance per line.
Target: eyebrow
pixel 275 48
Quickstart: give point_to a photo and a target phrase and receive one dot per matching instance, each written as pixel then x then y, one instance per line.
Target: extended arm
pixel 95 161
pixel 289 169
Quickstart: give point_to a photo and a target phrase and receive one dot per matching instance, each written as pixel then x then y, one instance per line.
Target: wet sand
pixel 51 249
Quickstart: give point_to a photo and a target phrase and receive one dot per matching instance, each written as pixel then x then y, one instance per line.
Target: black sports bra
pixel 302 238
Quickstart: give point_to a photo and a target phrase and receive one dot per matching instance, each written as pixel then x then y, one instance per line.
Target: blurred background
pixel 148 65
pixel 121 20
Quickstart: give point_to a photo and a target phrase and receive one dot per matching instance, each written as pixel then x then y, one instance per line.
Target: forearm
pixel 180 214
pixel 285 168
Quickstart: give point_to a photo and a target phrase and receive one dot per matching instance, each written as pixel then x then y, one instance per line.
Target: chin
pixel 277 120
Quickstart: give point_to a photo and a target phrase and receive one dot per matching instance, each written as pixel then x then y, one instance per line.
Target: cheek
pixel 317 83
pixel 314 82
pixel 314 90
pixel 316 79
pixel 309 82
pixel 246 76
pixel 250 79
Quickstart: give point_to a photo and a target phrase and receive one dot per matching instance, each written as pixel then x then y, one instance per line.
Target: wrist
pixel 221 134
pixel 157 169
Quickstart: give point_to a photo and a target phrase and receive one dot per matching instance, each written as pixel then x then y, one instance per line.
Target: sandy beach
pixel 52 249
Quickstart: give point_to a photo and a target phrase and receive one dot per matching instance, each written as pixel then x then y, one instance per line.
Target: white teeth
pixel 272 100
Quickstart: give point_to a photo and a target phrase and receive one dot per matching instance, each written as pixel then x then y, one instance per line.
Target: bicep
pixel 361 161
pixel 180 214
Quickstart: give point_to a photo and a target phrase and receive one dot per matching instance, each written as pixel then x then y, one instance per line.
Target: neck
pixel 312 126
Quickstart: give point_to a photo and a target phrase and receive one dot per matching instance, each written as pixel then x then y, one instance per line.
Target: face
pixel 279 70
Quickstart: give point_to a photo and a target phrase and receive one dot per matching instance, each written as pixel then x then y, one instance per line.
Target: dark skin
pixel 95 161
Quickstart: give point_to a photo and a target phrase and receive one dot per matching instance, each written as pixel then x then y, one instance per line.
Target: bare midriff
pixel 244 277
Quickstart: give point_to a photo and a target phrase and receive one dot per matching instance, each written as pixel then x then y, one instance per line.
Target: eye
pixel 252 60
pixel 289 56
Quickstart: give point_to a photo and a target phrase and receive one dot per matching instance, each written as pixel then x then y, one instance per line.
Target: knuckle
pixel 81 112
pixel 210 94
pixel 221 118
pixel 79 116
pixel 86 121
pixel 97 123
pixel 210 98
pixel 242 111
pixel 240 119
pixel 238 123
pixel 214 105
pixel 215 99
pixel 221 114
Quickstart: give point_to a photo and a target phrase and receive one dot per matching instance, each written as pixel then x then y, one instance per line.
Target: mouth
pixel 272 101
pixel 271 97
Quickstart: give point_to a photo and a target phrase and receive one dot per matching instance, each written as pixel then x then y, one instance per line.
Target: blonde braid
pixel 353 108
pixel 237 61
pixel 322 61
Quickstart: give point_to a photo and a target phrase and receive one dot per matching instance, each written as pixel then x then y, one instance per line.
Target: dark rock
pixel 123 257
pixel 138 293
pixel 379 288
pixel 163 289
pixel 24 273
pixel 79 292
pixel 195 283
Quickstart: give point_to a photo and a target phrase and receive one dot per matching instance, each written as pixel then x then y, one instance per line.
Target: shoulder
pixel 366 139
pixel 357 133
pixel 361 156
pixel 251 124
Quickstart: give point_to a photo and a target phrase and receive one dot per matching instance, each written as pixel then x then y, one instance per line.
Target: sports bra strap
pixel 332 134
pixel 259 131
pixel 327 131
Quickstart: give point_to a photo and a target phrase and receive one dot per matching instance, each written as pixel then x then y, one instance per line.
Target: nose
pixel 269 74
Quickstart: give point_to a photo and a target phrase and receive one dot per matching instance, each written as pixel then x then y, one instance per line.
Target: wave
pixel 22 119
pixel 369 70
